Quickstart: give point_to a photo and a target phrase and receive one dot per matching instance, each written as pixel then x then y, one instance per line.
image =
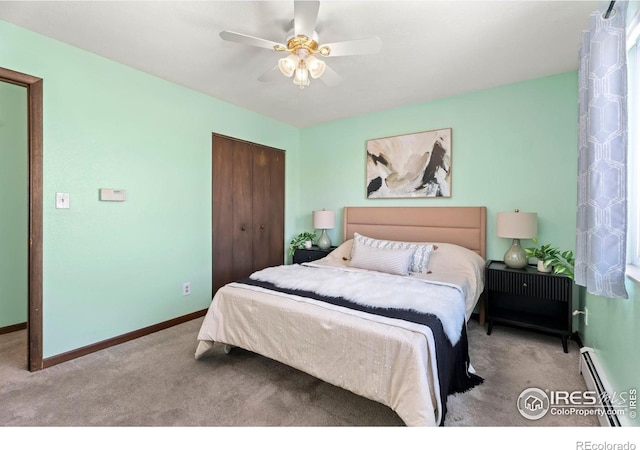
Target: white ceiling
pixel 430 49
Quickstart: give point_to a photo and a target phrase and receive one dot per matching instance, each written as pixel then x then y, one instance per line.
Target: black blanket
pixel 452 361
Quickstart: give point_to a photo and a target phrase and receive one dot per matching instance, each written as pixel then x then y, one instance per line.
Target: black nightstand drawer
pixel 302 255
pixel 539 285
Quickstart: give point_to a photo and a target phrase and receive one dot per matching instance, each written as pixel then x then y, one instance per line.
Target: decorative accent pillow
pixel 421 254
pixel 394 261
pixel 343 252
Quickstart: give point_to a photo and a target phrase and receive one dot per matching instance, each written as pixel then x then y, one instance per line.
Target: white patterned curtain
pixel 602 156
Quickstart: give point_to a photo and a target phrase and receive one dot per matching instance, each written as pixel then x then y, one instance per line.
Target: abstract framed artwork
pixel 410 165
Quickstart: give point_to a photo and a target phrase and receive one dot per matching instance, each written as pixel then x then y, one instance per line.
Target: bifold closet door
pixel 268 207
pixel 223 156
pixel 247 209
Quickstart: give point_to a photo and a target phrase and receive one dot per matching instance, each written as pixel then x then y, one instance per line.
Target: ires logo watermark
pixel 535 403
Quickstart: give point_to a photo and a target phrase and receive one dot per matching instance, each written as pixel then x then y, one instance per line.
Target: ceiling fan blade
pixel 355 47
pixel 305 15
pixel 271 75
pixel 330 77
pixel 249 40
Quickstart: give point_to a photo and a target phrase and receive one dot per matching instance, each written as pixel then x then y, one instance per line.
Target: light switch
pixel 62 200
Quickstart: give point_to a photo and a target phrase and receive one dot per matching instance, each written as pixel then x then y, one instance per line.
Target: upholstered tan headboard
pixel 460 225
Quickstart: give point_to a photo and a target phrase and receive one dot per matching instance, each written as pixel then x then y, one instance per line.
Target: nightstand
pixel 302 255
pixel 528 298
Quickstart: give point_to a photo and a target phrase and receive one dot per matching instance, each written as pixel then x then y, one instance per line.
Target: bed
pixel 399 350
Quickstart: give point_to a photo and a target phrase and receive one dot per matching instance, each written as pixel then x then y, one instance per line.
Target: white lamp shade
pixel 288 65
pixel 323 220
pixel 316 67
pixel 517 225
pixel 301 77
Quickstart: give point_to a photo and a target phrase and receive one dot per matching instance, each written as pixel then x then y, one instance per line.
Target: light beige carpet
pixel 155 381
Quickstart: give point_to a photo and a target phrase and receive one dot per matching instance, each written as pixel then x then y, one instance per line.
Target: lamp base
pixel 515 257
pixel 323 241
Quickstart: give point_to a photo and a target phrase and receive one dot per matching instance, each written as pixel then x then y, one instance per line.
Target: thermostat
pixel 113 195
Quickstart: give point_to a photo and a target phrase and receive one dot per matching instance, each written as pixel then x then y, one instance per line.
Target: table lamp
pixel 517 225
pixel 323 220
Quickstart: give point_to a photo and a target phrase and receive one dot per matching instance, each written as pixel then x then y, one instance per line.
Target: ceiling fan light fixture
pixel 316 66
pixel 288 65
pixel 301 77
pixel 305 53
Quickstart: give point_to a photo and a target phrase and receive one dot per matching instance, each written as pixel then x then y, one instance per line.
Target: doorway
pixel 34 141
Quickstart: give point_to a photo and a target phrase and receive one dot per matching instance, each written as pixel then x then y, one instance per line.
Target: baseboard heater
pixel 596 381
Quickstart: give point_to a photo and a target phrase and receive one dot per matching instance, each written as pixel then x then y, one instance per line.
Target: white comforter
pixel 375 289
pixel 371 356
pixel 387 360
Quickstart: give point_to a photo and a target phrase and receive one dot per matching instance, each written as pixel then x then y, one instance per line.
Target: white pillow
pixel 394 261
pixel 451 257
pixel 342 253
pixel 421 252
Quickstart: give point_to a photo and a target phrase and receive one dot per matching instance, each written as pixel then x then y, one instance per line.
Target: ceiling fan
pixel 303 47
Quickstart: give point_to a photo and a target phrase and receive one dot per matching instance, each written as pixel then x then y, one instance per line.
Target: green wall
pixel 613 333
pixel 513 147
pixel 111 268
pixel 14 205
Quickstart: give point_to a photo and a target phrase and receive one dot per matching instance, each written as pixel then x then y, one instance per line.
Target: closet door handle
pixel 262 227
pixel 243 228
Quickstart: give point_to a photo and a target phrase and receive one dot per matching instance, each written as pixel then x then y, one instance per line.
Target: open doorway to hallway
pixel 14 223
pixel 21 255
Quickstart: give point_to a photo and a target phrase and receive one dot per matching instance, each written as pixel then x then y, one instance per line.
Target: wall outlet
pixel 186 288
pixel 586 316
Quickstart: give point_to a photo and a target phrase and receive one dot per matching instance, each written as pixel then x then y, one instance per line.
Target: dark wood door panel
pixel 242 193
pixel 261 207
pixel 275 230
pixel 248 208
pixel 268 177
pixel 222 219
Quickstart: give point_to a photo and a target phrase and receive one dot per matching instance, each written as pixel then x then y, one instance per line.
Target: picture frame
pixel 416 165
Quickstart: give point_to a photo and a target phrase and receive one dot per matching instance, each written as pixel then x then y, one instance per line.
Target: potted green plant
pixel 303 240
pixel 552 259
pixel 562 262
pixel 542 253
